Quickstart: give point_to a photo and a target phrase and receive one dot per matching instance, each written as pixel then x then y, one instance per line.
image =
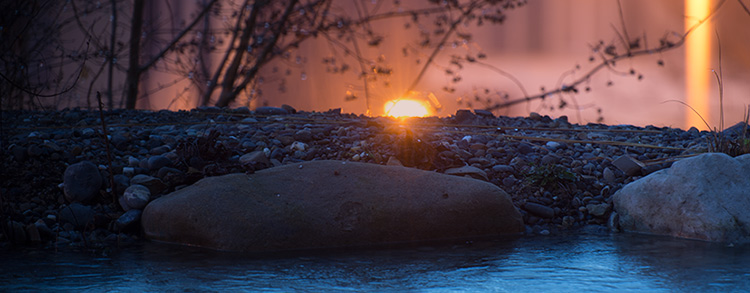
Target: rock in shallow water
pixel 322 204
pixel 705 197
pixel 135 197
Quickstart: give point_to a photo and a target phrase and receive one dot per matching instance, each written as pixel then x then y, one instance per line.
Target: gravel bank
pixel 560 175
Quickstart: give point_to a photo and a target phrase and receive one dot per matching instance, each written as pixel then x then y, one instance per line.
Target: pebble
pixel 502 169
pixel 154 185
pixel 470 171
pixel 157 162
pixel 271 111
pixel 539 210
pixel 598 210
pixel 179 150
pixel 128 220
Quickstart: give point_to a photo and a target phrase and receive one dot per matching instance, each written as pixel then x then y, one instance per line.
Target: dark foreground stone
pixel 325 204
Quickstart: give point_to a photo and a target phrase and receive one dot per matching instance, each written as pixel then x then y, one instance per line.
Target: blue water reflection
pixel 564 263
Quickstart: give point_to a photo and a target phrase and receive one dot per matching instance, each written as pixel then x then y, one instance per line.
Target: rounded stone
pixel 158 161
pixel 136 197
pixel 81 182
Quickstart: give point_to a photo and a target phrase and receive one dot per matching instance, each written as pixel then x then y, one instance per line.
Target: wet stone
pixel 598 210
pixel 128 220
pixel 539 210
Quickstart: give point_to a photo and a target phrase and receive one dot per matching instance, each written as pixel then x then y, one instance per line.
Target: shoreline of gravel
pixel 560 175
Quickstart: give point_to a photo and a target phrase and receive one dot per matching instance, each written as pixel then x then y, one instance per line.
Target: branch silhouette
pixel 608 62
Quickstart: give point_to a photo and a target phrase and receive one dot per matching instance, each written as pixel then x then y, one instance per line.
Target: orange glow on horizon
pixel 697 67
pixel 406 108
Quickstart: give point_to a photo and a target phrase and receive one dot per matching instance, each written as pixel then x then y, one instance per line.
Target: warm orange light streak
pixel 406 108
pixel 697 68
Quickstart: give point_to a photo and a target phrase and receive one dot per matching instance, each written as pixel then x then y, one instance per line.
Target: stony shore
pixel 560 175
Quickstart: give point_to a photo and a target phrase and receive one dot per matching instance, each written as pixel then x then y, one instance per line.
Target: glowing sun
pixel 406 108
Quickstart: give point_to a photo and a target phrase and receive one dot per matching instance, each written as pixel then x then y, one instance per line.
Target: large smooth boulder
pixel 706 197
pixel 324 204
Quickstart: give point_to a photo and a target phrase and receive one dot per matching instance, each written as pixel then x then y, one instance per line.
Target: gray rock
pixel 271 111
pixel 464 117
pixel 119 141
pixel 154 185
pixel 609 176
pixel 502 169
pixel 167 171
pixel 129 219
pixel 135 197
pixel 484 113
pixel 598 210
pixel 737 130
pixel 289 109
pixel 158 161
pixel 550 159
pixel 77 214
pixel 303 135
pixel 393 161
pixel 321 204
pixel 470 171
pixel 525 148
pixel 628 165
pixel 160 150
pixel 553 145
pixel 255 158
pixel 81 182
pixel 539 210
pixel 509 181
pixel 705 197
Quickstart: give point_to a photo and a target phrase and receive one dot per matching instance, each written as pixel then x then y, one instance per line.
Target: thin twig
pixel 744 7
pixel 106 144
pixel 78 76
pixel 666 46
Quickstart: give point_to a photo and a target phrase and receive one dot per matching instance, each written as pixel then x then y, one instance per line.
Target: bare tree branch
pixel 607 62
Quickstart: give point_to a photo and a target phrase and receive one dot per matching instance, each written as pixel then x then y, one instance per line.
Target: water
pixel 541 264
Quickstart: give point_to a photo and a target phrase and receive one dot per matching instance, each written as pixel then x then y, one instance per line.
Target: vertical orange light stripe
pixel 697 67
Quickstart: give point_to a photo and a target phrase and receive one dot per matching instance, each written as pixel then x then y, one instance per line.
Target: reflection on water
pixel 558 263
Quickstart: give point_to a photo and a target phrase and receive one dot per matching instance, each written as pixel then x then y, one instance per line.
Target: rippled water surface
pixel 542 264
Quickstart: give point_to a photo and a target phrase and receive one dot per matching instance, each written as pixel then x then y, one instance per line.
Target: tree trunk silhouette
pixel 229 92
pixel 134 67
